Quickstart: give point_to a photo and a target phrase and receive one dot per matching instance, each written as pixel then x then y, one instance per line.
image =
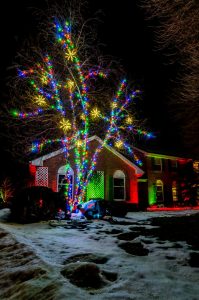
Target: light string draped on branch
pixel 68 99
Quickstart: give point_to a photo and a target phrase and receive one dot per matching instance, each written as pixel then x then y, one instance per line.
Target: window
pixel 159 192
pixel 119 185
pixel 174 191
pixel 196 166
pixel 173 165
pixel 156 164
pixel 63 181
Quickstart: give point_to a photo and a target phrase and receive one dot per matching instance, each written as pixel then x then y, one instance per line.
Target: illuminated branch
pixel 61 92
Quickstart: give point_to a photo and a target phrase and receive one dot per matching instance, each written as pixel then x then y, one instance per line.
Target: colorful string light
pixel 75 113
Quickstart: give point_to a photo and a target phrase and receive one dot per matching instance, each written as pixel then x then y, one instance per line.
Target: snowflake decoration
pixel 65 125
pixel 71 54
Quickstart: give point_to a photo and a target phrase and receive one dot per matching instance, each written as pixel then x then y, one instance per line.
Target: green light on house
pixel 152 195
pixel 95 187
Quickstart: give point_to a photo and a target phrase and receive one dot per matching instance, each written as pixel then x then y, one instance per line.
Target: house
pixel 115 178
pixel 168 181
pixel 162 181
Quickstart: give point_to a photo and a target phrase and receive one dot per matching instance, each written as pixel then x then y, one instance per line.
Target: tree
pixel 66 99
pixel 176 28
pixel 6 191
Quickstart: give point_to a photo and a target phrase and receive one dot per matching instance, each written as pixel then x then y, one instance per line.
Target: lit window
pixel 159 192
pixel 196 166
pixel 119 185
pixel 64 183
pixel 174 191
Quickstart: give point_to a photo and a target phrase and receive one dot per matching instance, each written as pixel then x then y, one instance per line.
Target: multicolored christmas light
pixel 76 112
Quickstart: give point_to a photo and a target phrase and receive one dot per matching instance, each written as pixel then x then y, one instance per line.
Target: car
pixel 97 208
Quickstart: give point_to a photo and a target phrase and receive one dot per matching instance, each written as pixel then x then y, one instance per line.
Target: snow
pixel 34 255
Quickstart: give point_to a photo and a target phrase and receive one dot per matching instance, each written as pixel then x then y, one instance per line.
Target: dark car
pixel 98 208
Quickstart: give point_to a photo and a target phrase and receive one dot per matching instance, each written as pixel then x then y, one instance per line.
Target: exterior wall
pixel 53 164
pixel 143 194
pixel 107 162
pixel 110 163
pixel 167 175
pixel 140 191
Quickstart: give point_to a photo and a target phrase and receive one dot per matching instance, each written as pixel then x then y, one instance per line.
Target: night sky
pixel 128 37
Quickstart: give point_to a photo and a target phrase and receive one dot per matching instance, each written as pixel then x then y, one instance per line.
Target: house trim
pixel 39 161
pixel 142 180
pixel 150 154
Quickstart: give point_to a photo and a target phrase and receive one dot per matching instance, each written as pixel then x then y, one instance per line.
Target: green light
pixel 95 188
pixel 14 113
pixel 152 195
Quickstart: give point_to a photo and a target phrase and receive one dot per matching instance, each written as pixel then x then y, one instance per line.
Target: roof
pixel 152 154
pixel 39 161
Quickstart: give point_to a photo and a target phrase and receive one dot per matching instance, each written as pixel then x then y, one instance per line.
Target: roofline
pixel 39 161
pixel 150 154
pixel 138 171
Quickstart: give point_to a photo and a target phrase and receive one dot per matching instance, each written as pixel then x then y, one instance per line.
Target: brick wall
pixel 107 162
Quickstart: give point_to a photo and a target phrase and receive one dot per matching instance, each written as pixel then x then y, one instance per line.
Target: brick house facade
pixel 167 181
pixel 117 176
pixel 163 180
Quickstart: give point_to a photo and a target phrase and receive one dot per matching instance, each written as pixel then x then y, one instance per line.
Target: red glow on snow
pixel 172 208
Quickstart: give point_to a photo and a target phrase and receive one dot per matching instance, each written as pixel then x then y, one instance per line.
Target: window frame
pixel 173 165
pixel 157 166
pixel 62 172
pixel 119 174
pixel 161 184
pixel 174 191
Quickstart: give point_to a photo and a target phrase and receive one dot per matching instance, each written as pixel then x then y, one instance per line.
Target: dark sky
pixel 128 36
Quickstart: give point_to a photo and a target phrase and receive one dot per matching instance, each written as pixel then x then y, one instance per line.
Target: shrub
pixel 34 204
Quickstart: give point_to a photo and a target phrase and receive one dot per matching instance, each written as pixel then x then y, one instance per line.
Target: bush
pixel 34 204
pixel 118 208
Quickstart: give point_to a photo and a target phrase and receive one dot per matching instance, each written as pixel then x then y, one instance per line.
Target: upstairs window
pixel 173 165
pixel 156 164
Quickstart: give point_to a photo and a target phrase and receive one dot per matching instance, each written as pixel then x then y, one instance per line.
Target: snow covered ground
pixel 38 261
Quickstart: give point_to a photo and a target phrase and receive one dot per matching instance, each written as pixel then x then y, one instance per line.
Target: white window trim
pixel 120 175
pixel 62 171
pixel 160 164
pixel 162 186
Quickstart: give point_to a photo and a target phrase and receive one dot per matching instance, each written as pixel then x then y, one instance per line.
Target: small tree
pixel 6 190
pixel 67 101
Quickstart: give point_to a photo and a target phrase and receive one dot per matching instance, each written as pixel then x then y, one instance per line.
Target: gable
pixel 158 155
pixel 40 160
